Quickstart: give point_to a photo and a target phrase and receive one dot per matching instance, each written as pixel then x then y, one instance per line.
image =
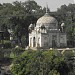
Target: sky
pixel 52 4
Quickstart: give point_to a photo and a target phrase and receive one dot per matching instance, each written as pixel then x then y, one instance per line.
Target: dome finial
pixel 46 7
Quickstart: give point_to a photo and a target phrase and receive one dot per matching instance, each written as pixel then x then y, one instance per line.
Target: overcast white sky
pixel 52 4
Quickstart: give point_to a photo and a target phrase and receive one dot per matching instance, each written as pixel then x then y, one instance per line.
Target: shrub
pixel 7 44
pixel 39 63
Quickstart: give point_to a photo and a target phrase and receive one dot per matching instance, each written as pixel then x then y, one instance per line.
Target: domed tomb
pixel 46 34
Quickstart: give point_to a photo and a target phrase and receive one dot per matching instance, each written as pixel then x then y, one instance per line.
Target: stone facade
pixel 45 34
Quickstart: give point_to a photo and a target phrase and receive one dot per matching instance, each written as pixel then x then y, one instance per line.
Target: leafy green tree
pixel 69 58
pixel 40 63
pixel 19 15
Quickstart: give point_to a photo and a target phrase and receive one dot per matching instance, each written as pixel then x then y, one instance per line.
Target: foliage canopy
pixel 40 63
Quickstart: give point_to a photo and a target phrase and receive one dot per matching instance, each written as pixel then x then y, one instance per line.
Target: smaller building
pixel 45 34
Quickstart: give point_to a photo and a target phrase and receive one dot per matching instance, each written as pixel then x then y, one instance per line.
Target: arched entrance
pixel 34 42
pixel 54 44
pixel 54 39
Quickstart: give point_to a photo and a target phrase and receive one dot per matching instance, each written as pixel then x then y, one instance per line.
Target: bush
pixel 39 63
pixel 18 50
pixel 7 44
pixel 23 40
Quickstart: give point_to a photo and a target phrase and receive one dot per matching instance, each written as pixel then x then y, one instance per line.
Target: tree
pixel 19 15
pixel 69 58
pixel 66 14
pixel 40 63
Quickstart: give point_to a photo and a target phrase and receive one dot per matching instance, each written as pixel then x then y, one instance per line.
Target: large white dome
pixel 46 20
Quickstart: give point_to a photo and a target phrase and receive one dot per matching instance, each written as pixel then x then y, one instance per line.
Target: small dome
pixel 46 20
pixel 31 25
pixel 62 24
